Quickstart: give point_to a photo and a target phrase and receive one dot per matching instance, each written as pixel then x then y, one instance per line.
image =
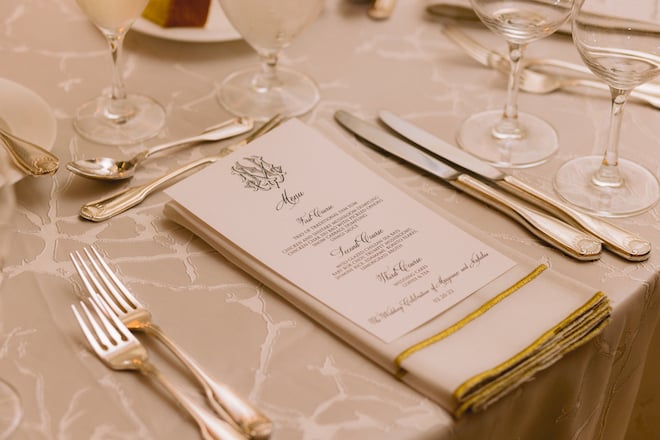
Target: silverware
pixel 569 240
pixel 466 13
pixel 533 81
pixel 112 205
pixel 29 157
pixel 105 168
pixel 381 9
pixel 120 350
pixel 224 400
pixel 618 240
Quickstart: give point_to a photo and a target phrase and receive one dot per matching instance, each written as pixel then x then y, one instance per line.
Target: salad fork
pixel 120 350
pixel 100 279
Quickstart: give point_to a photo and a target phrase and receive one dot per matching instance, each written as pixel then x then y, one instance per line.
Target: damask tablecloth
pixel 311 384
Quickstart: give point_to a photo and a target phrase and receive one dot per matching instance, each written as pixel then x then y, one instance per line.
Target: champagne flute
pixel 10 404
pixel 509 138
pixel 623 58
pixel 120 118
pixel 269 26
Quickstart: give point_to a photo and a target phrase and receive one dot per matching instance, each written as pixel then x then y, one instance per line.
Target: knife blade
pixel 618 240
pixel 562 236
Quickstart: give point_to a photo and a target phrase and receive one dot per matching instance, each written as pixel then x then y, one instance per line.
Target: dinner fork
pixel 120 350
pixel 100 279
pixel 534 81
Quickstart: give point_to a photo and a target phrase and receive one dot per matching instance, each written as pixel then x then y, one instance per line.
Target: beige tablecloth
pixel 312 385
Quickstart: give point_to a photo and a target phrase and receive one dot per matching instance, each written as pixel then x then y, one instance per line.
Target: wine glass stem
pixel 266 79
pixel 508 127
pixel 608 173
pixel 119 110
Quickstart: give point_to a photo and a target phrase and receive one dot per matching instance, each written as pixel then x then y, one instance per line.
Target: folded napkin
pixel 473 353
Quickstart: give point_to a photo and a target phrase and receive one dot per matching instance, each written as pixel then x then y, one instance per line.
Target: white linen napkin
pixel 464 358
pixel 472 354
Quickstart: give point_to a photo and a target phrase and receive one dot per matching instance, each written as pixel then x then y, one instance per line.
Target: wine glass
pixel 119 118
pixel 269 26
pixel 623 58
pixel 509 138
pixel 10 407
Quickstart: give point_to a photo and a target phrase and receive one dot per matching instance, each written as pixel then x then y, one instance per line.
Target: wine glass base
pixel 294 94
pixel 145 122
pixel 538 143
pixel 10 410
pixel 639 192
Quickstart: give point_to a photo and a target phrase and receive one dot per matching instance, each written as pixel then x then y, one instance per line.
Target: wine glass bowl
pixel 509 138
pixel 623 58
pixel 119 118
pixel 269 26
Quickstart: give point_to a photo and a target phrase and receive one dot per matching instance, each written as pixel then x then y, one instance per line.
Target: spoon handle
pixel 226 129
pixel 30 158
pixel 108 207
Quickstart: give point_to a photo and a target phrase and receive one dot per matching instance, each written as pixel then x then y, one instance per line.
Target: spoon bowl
pixel 107 168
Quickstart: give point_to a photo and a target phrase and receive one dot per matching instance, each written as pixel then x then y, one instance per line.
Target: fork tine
pixel 92 283
pixel 113 331
pixel 110 293
pixel 82 272
pixel 117 327
pixel 125 295
pixel 89 334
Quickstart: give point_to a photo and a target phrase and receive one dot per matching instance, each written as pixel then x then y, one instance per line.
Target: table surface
pixel 310 383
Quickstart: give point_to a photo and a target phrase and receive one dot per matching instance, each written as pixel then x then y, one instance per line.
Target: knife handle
pixel 564 237
pixel 618 240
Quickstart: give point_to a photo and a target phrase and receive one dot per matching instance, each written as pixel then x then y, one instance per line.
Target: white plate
pixel 26 115
pixel 217 28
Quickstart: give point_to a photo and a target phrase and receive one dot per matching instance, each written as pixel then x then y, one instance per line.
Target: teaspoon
pixel 106 168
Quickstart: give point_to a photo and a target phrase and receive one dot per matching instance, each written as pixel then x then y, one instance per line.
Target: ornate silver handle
pixel 620 241
pixel 571 241
pixel 108 207
pixel 30 158
pixel 224 400
pixel 210 426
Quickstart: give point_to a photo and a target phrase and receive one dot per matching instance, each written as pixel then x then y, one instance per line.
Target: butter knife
pixel 618 240
pixel 108 207
pixel 569 240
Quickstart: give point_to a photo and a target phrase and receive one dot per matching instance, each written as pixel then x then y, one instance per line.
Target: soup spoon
pixel 106 168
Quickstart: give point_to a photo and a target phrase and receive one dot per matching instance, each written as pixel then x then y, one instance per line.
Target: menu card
pixel 333 227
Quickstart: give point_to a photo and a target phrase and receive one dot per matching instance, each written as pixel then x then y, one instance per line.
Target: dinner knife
pixel 564 237
pixel 618 240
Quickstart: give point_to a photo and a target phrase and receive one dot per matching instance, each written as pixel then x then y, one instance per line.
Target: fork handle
pixel 211 426
pixel 224 400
